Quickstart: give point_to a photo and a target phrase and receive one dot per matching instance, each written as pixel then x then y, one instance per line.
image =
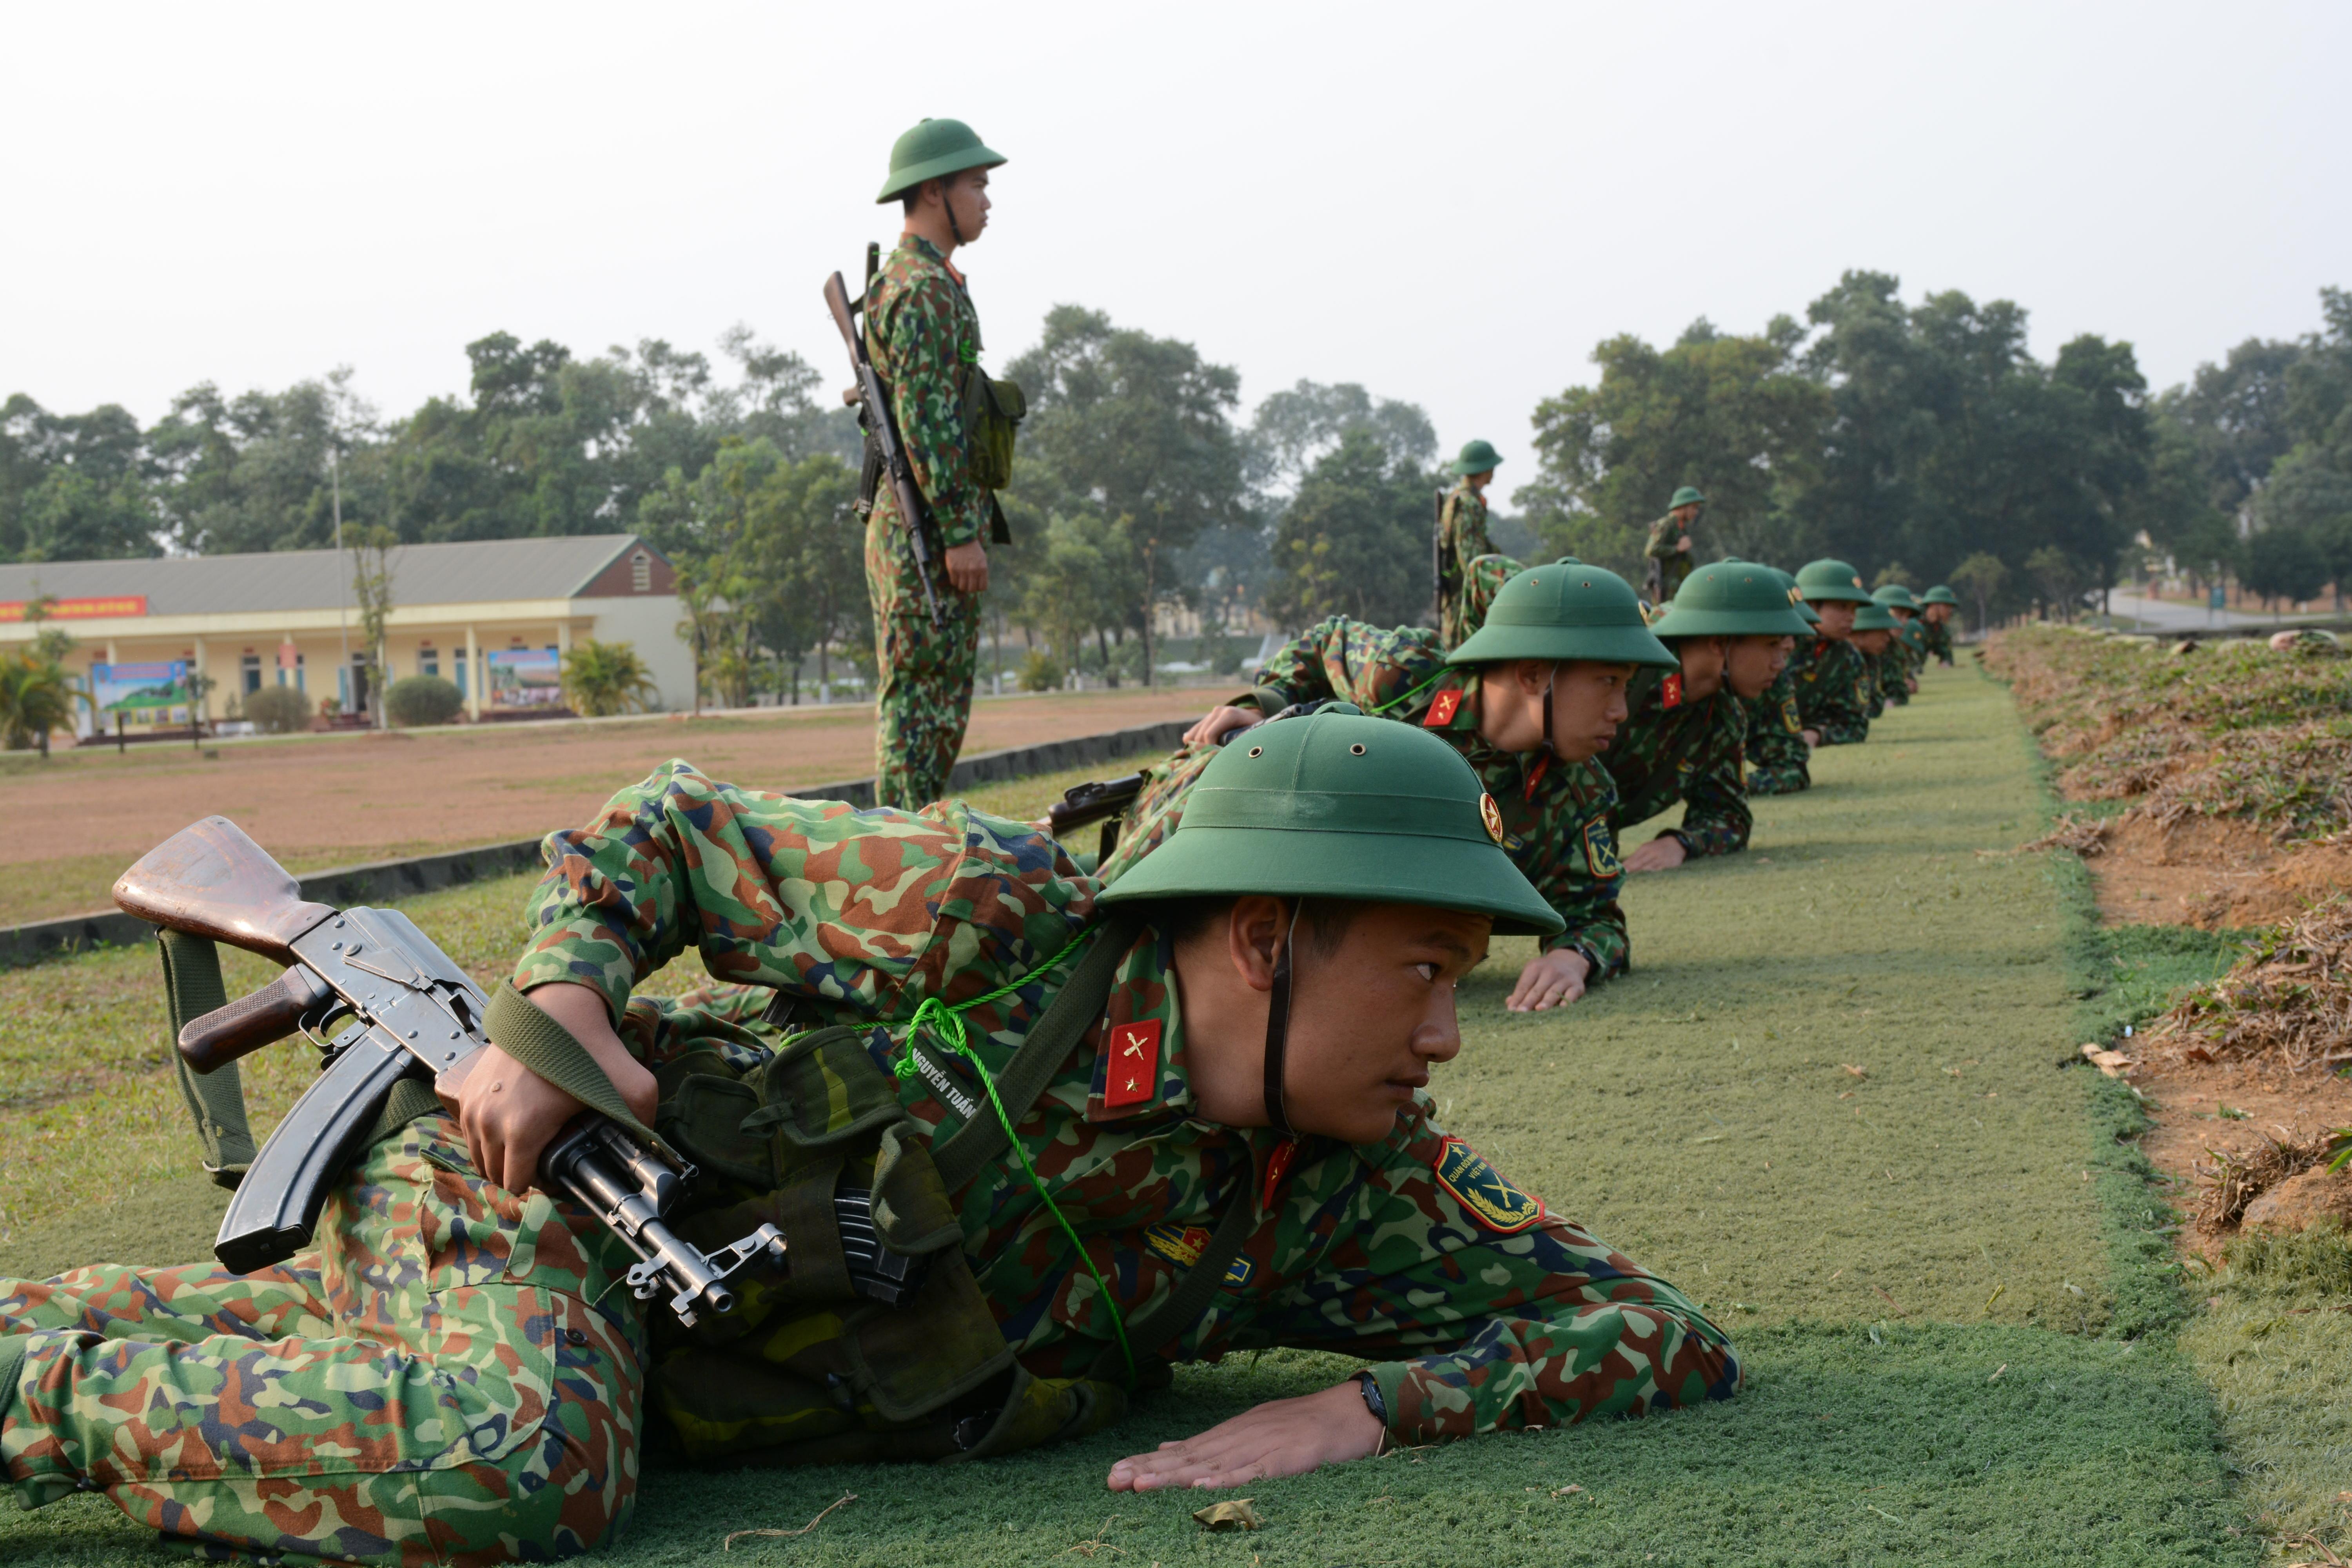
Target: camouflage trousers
pixel 431 1385
pixel 922 699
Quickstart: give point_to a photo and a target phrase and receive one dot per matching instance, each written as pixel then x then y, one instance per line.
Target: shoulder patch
pixel 1601 850
pixel 1183 1246
pixel 1442 710
pixel 1134 1074
pixel 1477 1186
pixel 1670 690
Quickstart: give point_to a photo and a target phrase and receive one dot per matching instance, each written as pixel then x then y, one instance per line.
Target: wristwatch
pixel 1372 1400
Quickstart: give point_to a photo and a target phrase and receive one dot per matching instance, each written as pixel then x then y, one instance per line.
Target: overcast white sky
pixel 1451 204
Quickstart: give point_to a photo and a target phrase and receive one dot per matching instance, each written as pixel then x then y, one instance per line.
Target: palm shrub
pixel 601 679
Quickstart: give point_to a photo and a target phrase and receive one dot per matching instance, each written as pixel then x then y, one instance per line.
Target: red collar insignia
pixel 1672 689
pixel 1442 710
pixel 1133 1076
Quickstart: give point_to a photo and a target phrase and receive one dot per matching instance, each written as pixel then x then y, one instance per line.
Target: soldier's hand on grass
pixel 509 1114
pixel 1812 738
pixel 1551 980
pixel 1663 853
pixel 967 567
pixel 1218 722
pixel 1280 1437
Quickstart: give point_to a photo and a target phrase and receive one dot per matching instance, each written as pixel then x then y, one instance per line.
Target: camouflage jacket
pixel 1462 539
pixel 1834 688
pixel 923 336
pixel 1670 750
pixel 1775 733
pixel 1556 815
pixel 1478 1308
pixel 1912 638
pixel 1936 636
pixel 1674 564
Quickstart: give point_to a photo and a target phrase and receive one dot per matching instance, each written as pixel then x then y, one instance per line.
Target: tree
pixel 34 699
pixel 1137 431
pixel 71 487
pixel 2308 497
pixel 601 679
pixel 2284 563
pixel 371 587
pixel 1291 430
pixel 1354 540
pixel 1980 577
pixel 1731 415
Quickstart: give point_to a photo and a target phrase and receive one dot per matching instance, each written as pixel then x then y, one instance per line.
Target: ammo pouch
pixel 807 1370
pixel 992 412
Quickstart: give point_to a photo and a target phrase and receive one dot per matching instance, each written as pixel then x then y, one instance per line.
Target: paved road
pixel 2172 615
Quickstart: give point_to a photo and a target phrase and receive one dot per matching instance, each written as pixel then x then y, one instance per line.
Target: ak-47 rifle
pixel 1445 582
pixel 1094 801
pixel 411 1013
pixel 881 426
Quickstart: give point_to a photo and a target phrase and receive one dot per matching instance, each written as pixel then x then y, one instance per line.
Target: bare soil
pixel 2186 1102
pixel 324 800
pixel 2210 872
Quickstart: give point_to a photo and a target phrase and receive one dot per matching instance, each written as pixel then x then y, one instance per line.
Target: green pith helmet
pixel 1731 599
pixel 1895 595
pixel 1686 496
pixel 1825 582
pixel 1565 610
pixel 933 148
pixel 1806 613
pixel 1477 458
pixel 1940 594
pixel 1873 618
pixel 1339 805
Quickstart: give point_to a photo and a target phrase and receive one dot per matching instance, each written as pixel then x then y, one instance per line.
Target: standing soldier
pixel 923 336
pixel 1462 534
pixel 1833 681
pixel 1532 697
pixel 1937 608
pixel 1732 627
pixel 1778 754
pixel 1669 549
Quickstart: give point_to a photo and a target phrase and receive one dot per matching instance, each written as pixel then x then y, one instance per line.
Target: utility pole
pixel 342 589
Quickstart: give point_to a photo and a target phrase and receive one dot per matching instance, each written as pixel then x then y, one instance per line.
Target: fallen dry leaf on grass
pixel 1234 1515
pixel 728 1544
pixel 2111 1063
pixel 1858 1072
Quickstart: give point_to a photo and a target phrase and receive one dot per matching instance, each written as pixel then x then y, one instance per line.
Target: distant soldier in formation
pixel 1533 697
pixel 923 335
pixel 1732 628
pixel 1778 753
pixel 1462 533
pixel 1938 605
pixel 1670 544
pixel 1906 653
pixel 1833 682
pixel 1873 636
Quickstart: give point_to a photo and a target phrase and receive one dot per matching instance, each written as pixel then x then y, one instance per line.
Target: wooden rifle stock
pixel 210 880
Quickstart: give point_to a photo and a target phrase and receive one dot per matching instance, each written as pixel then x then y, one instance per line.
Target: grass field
pixel 1947 1277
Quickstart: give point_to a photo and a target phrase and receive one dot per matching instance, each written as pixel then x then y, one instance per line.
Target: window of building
pixel 251 672
pixel 459 660
pixel 641 573
pixel 428 662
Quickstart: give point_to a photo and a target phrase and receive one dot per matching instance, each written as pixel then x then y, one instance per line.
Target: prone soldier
pixel 1684 738
pixel 1103 1130
pixel 1833 682
pixel 955 425
pixel 1533 696
pixel 1462 533
pixel 1779 755
pixel 1938 605
pixel 1874 639
pixel 1906 653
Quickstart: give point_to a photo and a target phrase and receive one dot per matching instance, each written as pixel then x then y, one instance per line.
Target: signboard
pixel 81 609
pixel 525 677
pixel 147 695
pixel 2217 598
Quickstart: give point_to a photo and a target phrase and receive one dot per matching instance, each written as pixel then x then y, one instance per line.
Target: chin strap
pixel 1549 748
pixel 946 200
pixel 1277 1026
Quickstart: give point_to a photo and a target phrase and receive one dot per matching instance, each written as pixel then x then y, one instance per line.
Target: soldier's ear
pixel 1255 929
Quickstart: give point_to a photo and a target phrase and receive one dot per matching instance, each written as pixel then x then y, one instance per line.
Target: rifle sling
pixel 1049 1044
pixel 519 1028
pixel 192 989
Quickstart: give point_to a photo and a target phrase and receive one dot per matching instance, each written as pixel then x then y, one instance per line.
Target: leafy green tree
pixel 1731 415
pixel 1981 576
pixel 1355 539
pixel 601 679
pixel 72 486
pixel 1134 430
pixel 1292 429
pixel 2284 563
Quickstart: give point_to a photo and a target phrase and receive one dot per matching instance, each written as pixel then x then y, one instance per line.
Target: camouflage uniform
pixel 1936 639
pixel 448 1376
pixel 924 338
pixel 436 1385
pixel 1834 688
pixel 1670 750
pixel 1556 815
pixel 1777 752
pixel 1674 564
pixel 1461 537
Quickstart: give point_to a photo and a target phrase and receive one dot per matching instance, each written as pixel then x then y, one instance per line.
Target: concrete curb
pixel 377 880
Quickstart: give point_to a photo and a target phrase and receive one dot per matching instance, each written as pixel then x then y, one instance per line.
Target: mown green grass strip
pixel 1936 1422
